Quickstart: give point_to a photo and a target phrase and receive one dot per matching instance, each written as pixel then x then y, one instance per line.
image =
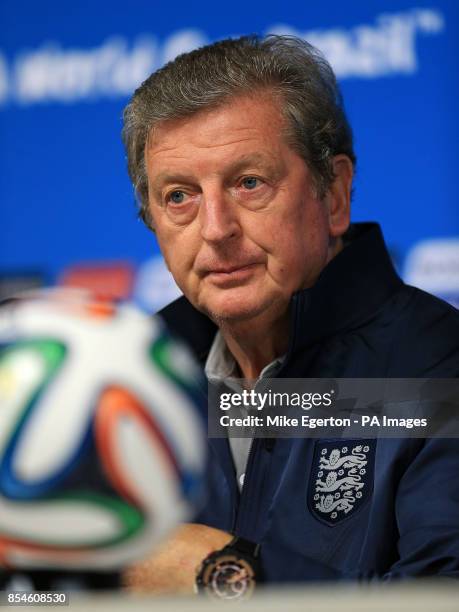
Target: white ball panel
pixel 69 522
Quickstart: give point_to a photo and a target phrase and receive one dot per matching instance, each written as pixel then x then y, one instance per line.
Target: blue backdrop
pixel 66 72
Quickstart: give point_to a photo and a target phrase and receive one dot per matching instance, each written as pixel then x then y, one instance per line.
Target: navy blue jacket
pixel 359 320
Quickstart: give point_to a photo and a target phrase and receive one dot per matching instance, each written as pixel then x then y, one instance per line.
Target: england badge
pixel 341 478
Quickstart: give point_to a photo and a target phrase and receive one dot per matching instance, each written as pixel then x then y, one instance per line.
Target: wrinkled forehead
pixel 242 132
pixel 262 113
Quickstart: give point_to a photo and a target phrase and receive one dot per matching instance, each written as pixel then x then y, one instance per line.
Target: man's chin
pixel 227 314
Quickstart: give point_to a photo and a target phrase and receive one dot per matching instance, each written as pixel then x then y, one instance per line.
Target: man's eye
pixel 250 182
pixel 176 197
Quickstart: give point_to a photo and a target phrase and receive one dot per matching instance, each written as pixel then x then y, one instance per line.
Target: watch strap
pixel 244 546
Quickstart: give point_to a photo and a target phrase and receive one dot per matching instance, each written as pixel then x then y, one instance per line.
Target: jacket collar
pixel 349 291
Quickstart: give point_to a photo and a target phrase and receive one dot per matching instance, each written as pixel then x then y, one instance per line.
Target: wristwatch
pixel 230 573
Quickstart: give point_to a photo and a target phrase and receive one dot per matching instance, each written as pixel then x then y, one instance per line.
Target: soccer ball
pixel 102 433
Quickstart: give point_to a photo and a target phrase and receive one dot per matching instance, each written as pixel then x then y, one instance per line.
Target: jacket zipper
pixel 241 521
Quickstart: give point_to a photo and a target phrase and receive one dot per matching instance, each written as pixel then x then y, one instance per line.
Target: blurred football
pixel 101 433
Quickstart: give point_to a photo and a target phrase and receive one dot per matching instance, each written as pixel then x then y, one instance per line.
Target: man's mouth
pixel 229 269
pixel 228 275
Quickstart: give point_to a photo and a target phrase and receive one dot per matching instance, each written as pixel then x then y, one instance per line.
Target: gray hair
pixel 292 69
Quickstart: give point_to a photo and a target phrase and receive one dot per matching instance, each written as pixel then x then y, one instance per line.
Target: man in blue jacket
pixel 242 159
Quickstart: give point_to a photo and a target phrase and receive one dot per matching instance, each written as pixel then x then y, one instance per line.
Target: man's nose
pixel 218 217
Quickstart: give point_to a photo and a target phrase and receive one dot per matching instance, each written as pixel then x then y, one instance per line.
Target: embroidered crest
pixel 341 478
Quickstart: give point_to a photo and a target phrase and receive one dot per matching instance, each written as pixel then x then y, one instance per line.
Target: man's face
pixel 235 211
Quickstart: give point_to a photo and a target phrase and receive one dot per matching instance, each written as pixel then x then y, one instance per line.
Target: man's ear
pixel 338 197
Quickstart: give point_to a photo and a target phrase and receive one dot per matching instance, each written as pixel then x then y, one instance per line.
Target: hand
pixel 172 569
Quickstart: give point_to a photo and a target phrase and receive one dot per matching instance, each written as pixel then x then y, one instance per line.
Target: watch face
pixel 228 577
